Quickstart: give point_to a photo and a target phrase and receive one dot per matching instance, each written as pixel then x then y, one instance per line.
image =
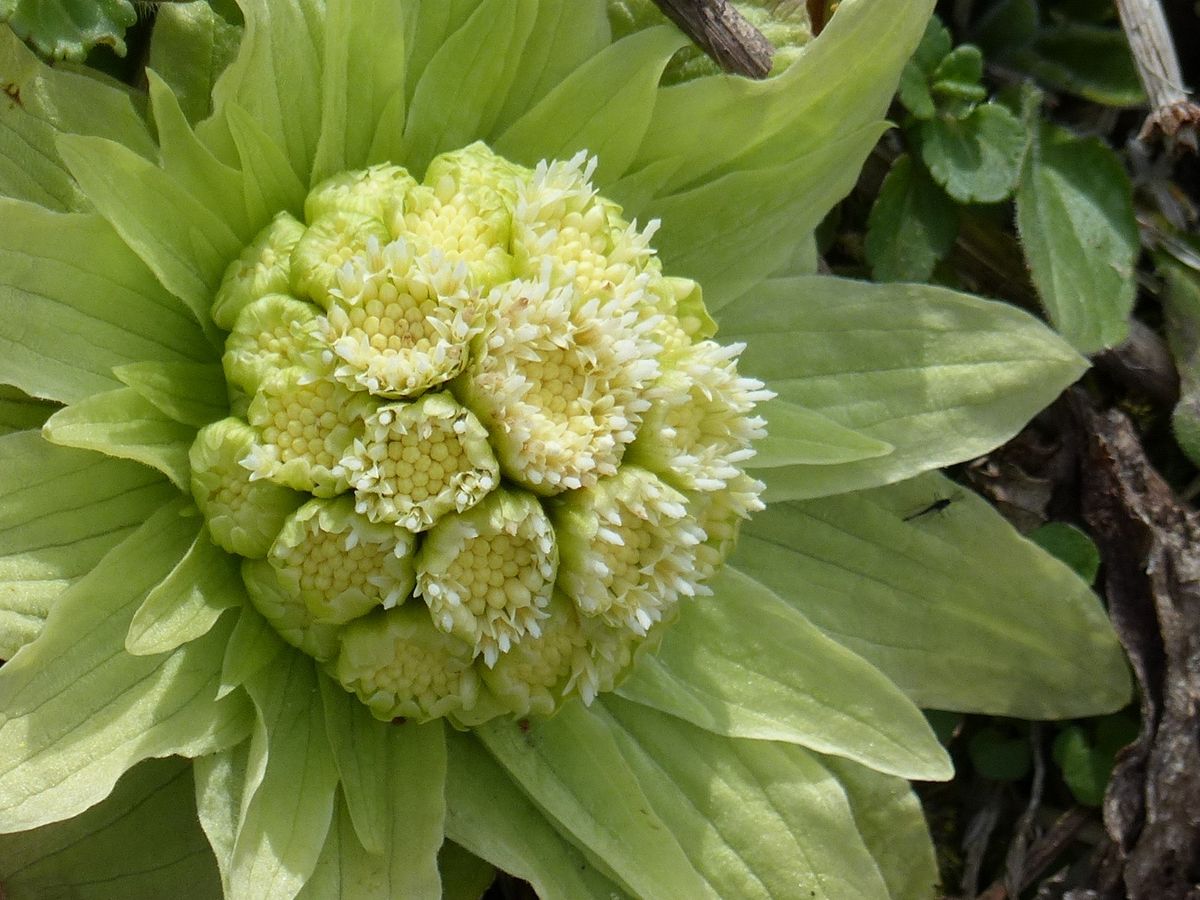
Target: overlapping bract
pixel 457 371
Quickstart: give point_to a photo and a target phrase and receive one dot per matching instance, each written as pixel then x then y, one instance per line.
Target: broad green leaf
pixel 68 29
pixel 723 123
pixel 1088 60
pixel 362 85
pixel 464 875
pixel 799 436
pixel 191 393
pixel 79 711
pixel 939 375
pixel 188 602
pixel 40 102
pixel 1075 218
pixel 61 511
pixel 19 411
pixel 490 817
pixel 253 645
pixel 276 78
pixel 220 786
pixel 760 819
pixel 954 605
pixel 74 302
pixel 603 107
pixel 393 778
pixel 912 225
pixel 271 184
pixel 461 92
pixel 123 424
pixel 766 215
pixel 744 664
pixel 977 159
pixel 191 166
pixel 572 768
pixel 428 27
pixel 284 823
pixel 565 35
pixel 180 238
pixel 348 872
pixel 1070 545
pixel 190 46
pixel 89 857
pixel 890 821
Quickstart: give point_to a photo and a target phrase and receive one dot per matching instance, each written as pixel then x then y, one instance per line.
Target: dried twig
pixel 1172 112
pixel 722 33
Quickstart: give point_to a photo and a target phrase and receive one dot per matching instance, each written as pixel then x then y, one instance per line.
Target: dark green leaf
pixel 1075 218
pixel 1070 545
pixel 68 29
pixel 1087 60
pixel 998 755
pixel 976 159
pixel 912 225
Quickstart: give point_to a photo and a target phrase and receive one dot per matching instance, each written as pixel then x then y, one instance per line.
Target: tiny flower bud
pixel 243 515
pixel 375 192
pixel 273 332
pixel 326 246
pixel 264 267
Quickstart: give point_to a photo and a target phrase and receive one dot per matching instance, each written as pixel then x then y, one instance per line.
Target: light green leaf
pixel 253 645
pixel 191 393
pixel 184 242
pixel 61 510
pixel 190 46
pixel 913 224
pixel 192 167
pixel 461 91
pixel 977 159
pixel 75 301
pixel 284 823
pixel 565 34
pixel 428 27
pixel 42 101
pixel 188 602
pixel 20 412
pixel 68 29
pixel 123 424
pixel 1075 218
pixel 79 711
pixel 271 184
pixel 488 815
pixel 220 782
pixel 745 664
pixel 766 215
pixel 724 123
pixel 760 819
pixel 276 78
pixel 393 778
pixel 1017 632
pixel 348 872
pixel 571 767
pixel 89 858
pixel 464 875
pixel 362 85
pixel 941 376
pixel 603 107
pixel 890 821
pixel 799 436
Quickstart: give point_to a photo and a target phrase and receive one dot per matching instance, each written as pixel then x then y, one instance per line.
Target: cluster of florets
pixel 480 447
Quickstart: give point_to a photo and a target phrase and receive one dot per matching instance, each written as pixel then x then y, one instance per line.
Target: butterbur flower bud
pixel 326 246
pixel 417 461
pixel 487 574
pixel 374 192
pixel 272 333
pixel 264 267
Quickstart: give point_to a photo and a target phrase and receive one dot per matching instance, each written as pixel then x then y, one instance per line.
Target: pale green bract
pixel 255 534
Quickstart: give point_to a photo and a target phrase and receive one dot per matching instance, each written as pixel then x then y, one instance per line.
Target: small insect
pixel 523 724
pixel 935 507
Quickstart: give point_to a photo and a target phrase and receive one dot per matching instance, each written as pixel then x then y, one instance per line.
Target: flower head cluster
pixel 478 454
